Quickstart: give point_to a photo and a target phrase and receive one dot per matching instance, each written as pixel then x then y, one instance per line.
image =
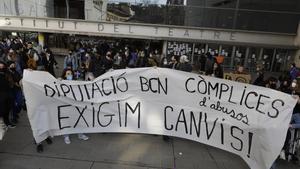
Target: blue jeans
pixel 273 165
pixel 296 121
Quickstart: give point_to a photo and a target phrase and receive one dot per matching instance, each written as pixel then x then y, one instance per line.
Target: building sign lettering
pixel 144 31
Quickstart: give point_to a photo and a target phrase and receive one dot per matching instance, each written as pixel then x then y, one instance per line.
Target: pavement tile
pixel 11 161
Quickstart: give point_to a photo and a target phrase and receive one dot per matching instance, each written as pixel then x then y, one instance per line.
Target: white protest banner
pixel 240 118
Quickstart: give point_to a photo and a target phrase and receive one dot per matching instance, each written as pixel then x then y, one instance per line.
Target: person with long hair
pixel 68 74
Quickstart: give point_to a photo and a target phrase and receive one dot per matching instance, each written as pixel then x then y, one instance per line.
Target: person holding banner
pixel 218 70
pixel 39 146
pixel 240 70
pixel 5 94
pixel 288 148
pixel 294 71
pixel 295 122
pixel 69 75
pixel 70 61
pixel 184 64
pixel 174 62
pixel 259 81
pixel 17 101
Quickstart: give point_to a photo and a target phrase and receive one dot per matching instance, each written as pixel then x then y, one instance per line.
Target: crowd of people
pixel 91 61
pixel 88 61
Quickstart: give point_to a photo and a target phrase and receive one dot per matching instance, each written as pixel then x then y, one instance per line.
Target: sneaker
pixel 67 140
pixel 15 121
pixel 11 126
pixel 82 137
pixel 48 140
pixel 39 148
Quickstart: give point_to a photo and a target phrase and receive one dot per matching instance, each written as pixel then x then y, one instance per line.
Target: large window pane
pixel 266 21
pixel 272 5
pixel 209 17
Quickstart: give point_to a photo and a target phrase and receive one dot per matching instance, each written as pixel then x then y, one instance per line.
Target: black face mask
pixel 273 86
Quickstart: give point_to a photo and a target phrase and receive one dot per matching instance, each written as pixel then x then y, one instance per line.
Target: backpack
pixel 31 63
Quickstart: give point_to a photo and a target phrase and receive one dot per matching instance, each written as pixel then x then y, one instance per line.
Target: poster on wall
pixel 179 49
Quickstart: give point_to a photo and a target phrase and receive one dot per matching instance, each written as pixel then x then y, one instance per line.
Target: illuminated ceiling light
pixel 14 34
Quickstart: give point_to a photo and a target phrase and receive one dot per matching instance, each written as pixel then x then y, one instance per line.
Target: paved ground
pixel 113 151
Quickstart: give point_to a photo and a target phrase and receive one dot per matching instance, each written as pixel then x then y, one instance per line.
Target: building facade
pixel 246 32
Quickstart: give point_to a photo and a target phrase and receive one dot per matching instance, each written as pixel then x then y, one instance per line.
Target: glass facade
pixel 255 15
pixel 270 59
pixel 280 16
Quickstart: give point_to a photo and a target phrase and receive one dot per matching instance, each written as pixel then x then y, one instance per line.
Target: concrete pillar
pixel 297 44
pixel 164 48
pixel 273 59
pixel 206 48
pixel 297 58
pixel 232 58
pixel 220 49
pixel 95 10
pixel 246 57
pixel 260 54
pixel 192 59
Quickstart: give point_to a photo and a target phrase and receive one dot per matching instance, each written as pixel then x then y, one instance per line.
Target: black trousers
pixel 5 107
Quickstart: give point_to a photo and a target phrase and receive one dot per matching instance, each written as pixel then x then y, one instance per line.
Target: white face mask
pixel 165 61
pixel 69 77
pixel 294 84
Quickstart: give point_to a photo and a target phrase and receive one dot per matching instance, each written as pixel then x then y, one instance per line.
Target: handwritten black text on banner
pixel 236 117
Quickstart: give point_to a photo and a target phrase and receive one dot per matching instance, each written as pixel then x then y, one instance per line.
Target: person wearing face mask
pixel 164 61
pixel 117 61
pixel 218 70
pixel 142 59
pixel 68 74
pixel 17 96
pixel 174 62
pixel 293 71
pixel 184 64
pixel 294 87
pixel 151 62
pixel 11 56
pixel 70 61
pixel 5 94
pixel 285 86
pixel 108 61
pixel 272 83
pixel 259 81
pixel 156 55
pixel 50 62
